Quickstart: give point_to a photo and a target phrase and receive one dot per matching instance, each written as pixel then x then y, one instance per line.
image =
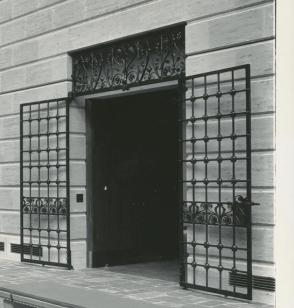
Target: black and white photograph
pixel 139 154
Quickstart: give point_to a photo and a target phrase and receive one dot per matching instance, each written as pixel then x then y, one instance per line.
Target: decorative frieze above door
pixel 149 58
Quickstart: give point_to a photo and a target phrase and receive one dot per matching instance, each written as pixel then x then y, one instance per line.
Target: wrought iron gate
pixel 44 182
pixel 216 187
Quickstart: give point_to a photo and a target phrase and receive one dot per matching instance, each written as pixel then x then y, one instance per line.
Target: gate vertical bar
pixel 249 183
pixel 21 182
pixel 219 153
pixel 39 179
pixel 48 185
pixel 30 177
pixel 181 133
pixel 68 186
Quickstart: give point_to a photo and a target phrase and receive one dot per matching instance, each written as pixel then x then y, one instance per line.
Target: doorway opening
pixel 134 166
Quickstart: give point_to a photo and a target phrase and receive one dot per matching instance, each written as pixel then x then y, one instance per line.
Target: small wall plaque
pixel 80 198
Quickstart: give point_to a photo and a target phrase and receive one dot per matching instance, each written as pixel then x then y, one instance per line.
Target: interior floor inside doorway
pixel 164 270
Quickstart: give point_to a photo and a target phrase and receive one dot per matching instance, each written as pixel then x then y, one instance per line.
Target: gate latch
pixel 245 201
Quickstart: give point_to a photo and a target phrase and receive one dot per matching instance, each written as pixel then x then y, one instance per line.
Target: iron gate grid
pixel 208 214
pixel 44 182
pixel 45 196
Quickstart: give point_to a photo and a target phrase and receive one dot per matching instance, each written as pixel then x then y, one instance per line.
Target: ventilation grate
pixel 27 249
pixel 258 282
pixel 1 246
pixel 264 283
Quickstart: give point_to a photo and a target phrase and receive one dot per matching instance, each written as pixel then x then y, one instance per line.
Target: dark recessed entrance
pixel 134 178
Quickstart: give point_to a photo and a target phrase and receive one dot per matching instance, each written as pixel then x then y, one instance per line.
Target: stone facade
pixel 36 37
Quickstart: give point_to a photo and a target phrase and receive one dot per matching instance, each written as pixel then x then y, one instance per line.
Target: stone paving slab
pixel 95 288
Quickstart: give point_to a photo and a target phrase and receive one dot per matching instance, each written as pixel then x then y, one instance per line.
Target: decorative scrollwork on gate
pixel 224 213
pixel 35 205
pixel 154 57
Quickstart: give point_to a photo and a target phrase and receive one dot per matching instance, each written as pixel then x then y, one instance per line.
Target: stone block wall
pixel 35 39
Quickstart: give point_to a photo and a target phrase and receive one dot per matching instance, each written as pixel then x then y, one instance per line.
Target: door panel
pixel 216 158
pixel 135 174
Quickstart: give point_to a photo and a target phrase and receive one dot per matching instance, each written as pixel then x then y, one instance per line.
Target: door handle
pixel 244 201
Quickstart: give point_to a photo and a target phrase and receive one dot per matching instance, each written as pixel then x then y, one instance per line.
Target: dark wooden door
pixel 135 174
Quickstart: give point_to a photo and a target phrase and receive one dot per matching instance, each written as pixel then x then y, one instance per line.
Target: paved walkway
pixel 123 286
